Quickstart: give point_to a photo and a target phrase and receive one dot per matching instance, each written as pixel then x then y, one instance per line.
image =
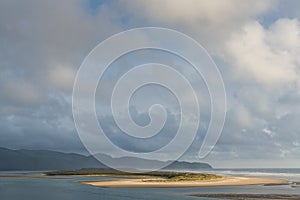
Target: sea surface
pixel 68 187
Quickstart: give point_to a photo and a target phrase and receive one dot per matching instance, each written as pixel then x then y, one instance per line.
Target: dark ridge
pixel 52 160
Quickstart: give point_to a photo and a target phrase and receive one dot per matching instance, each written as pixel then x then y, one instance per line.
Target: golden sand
pixel 158 183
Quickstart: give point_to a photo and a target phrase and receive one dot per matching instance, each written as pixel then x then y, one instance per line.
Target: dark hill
pixel 52 160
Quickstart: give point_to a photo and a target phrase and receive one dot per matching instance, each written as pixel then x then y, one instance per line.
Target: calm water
pixel 69 189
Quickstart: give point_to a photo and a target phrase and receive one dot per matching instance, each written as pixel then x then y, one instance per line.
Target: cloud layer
pixel 255 44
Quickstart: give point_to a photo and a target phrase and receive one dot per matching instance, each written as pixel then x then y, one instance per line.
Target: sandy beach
pixel 151 183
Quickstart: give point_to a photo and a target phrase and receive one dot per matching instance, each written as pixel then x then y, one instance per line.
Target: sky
pixel 255 44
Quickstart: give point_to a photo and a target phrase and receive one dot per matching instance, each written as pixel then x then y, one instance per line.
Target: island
pixel 163 179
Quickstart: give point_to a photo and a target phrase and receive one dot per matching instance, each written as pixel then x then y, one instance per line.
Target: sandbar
pixel 158 183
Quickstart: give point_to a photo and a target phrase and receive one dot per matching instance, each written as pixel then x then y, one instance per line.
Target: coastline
pixel 285 190
pixel 250 196
pixel 157 183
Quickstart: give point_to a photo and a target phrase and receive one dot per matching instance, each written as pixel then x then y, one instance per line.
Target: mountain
pixel 126 162
pixel 182 165
pixel 44 160
pixel 52 160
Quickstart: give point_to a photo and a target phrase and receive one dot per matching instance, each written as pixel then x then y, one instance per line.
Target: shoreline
pixel 157 183
pixel 249 196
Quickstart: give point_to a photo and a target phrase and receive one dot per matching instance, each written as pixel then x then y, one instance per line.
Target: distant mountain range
pixel 52 160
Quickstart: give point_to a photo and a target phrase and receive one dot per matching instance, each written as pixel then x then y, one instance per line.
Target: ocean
pixel 292 174
pixel 68 187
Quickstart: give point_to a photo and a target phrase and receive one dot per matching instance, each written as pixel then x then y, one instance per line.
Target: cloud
pixel 267 56
pixel 42 46
pixel 211 23
pixel 195 11
pixel 12 90
pixel 256 45
pixel 62 77
pixel 259 63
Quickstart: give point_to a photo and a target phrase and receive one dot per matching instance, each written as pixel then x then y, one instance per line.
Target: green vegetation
pixel 186 177
pixel 160 176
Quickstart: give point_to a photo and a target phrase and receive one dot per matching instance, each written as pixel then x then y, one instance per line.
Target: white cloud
pixel 267 56
pixel 198 11
pixel 62 77
pixel 210 22
pixel 268 132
